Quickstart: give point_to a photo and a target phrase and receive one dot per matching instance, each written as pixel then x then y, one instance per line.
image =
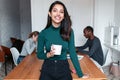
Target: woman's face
pixel 57 15
pixel 35 38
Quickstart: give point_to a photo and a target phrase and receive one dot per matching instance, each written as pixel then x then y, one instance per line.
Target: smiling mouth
pixel 57 17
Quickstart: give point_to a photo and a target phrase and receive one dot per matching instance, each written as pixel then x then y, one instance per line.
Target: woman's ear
pixel 49 14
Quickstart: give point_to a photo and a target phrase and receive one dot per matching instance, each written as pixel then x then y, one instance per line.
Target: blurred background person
pixel 29 45
pixel 93 44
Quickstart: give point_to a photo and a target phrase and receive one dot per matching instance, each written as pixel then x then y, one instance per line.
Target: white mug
pixel 57 49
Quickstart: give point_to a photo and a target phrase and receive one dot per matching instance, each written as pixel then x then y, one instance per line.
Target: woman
pixel 29 45
pixel 58 32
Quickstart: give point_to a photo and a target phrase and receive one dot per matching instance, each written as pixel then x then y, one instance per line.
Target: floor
pixel 9 68
pixel 110 76
pixel 2 69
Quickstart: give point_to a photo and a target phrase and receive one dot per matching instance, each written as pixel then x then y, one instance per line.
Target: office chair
pixel 15 54
pixel 107 56
pixel 7 56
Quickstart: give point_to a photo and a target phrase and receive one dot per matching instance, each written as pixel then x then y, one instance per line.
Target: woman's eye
pixel 61 11
pixel 54 10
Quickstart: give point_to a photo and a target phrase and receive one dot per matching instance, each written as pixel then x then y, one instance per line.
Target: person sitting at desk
pixel 29 45
pixel 94 45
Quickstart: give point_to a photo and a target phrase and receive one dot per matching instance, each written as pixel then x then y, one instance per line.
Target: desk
pixel 114 47
pixel 30 67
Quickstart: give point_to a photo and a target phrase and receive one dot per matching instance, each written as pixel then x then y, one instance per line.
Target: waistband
pixel 56 60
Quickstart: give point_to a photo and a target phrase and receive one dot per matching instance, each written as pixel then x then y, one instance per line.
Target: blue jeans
pixel 20 58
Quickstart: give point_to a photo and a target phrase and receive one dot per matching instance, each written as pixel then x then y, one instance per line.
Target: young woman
pixel 58 32
pixel 29 45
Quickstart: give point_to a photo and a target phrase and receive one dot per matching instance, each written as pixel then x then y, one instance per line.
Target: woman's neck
pixel 55 25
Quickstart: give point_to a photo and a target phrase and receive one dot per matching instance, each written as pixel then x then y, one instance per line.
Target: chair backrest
pixel 2 54
pixel 6 50
pixel 15 54
pixel 107 56
pixel 105 52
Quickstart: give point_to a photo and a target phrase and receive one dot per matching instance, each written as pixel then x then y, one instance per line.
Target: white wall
pixel 81 12
pixel 82 16
pixel 117 17
pixel 117 13
pixel 104 15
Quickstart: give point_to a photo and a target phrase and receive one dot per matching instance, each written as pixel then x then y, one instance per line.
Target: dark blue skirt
pixel 55 70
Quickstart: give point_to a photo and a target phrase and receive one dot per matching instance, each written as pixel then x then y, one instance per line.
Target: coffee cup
pixel 56 49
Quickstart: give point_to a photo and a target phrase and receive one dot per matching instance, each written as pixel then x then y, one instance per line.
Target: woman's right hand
pixel 85 76
pixel 50 54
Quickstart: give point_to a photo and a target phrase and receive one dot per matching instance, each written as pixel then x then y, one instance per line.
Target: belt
pixel 55 61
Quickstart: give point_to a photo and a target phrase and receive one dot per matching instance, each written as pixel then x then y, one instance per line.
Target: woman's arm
pixel 73 55
pixel 40 46
pixel 30 46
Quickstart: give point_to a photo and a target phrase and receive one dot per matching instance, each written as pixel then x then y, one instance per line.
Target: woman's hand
pixel 85 76
pixel 51 53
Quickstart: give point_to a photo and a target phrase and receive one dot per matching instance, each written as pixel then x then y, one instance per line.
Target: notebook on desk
pixel 79 56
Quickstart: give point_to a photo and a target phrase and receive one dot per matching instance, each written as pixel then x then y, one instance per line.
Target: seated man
pixel 93 44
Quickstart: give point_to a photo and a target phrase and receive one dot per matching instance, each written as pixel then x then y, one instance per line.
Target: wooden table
pixel 30 67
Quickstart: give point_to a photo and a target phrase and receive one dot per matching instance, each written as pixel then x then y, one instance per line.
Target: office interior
pixel 20 17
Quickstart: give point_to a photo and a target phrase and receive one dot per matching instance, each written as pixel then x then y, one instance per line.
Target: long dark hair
pixel 65 29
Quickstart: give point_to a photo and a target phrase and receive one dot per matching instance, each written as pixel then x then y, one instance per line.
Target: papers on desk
pixel 79 56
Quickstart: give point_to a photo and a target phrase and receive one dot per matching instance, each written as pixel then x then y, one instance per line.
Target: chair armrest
pixel 6 50
pixel 2 58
